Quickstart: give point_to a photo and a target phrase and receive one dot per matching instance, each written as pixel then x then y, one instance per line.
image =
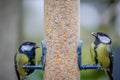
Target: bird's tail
pixel 109 74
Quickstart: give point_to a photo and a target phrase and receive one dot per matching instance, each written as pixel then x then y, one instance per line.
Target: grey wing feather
pixel 109 71
pixel 111 60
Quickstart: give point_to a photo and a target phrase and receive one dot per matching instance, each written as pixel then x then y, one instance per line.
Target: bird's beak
pixel 94 34
pixel 36 46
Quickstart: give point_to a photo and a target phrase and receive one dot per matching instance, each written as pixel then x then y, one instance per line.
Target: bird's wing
pixel 111 59
pixel 15 65
pixel 110 69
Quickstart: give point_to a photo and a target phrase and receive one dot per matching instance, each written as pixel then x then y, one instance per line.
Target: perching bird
pixel 25 55
pixel 101 52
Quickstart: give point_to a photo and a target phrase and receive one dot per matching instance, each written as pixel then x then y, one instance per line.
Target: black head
pixel 102 37
pixel 28 48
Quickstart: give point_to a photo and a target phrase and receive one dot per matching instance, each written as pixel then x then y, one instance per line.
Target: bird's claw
pixel 90 66
pixel 99 66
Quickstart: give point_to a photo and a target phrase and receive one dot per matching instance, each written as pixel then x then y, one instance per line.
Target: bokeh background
pixel 22 20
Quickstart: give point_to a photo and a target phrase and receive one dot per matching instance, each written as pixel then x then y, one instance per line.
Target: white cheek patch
pixel 104 39
pixel 26 48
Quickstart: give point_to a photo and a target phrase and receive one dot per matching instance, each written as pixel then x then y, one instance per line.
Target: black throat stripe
pixel 96 55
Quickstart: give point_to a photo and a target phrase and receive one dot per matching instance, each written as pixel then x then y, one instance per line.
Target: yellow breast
pixel 22 59
pixel 103 55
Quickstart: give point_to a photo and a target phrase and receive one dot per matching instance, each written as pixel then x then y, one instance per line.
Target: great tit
pixel 101 52
pixel 25 55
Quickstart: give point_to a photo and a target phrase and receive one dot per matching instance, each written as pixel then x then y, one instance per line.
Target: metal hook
pixel 44 51
pixel 84 66
pixel 79 53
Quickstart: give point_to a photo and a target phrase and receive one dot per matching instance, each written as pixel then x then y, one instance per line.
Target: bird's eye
pixel 26 48
pixel 104 39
